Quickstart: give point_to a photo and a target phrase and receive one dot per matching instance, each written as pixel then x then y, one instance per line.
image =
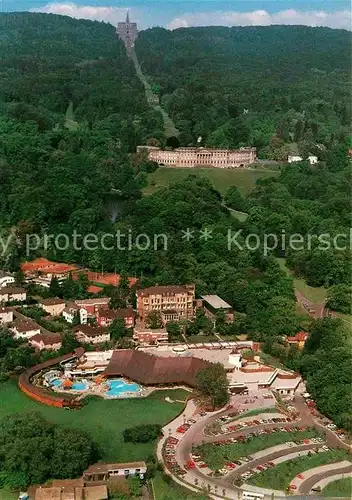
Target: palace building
pixel 201 157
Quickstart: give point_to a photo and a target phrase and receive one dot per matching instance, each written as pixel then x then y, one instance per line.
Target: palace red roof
pixel 154 370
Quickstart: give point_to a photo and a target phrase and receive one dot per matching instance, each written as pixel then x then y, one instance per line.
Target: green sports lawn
pixel 103 420
pixel 222 179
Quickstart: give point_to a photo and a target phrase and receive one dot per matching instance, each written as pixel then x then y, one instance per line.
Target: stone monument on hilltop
pixel 128 33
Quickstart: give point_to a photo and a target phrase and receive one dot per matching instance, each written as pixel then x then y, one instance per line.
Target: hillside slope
pixel 49 60
pixel 293 80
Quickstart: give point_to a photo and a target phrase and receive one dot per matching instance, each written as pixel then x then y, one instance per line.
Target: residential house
pixel 41 271
pixel 294 158
pixel 92 334
pixel 53 306
pixel 213 304
pixel 147 336
pixel 49 342
pixel 173 302
pixel 299 339
pixel 101 472
pixel 72 310
pixel 69 489
pixel 12 294
pixel 24 329
pixel 6 279
pixel 6 315
pixel 92 305
pixel 106 316
pixel 312 159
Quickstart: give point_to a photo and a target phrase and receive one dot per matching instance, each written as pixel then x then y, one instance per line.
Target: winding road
pixel 223 486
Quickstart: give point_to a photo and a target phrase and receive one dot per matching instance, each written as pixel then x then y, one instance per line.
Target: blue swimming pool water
pixel 76 386
pixel 56 383
pixel 79 386
pixel 118 387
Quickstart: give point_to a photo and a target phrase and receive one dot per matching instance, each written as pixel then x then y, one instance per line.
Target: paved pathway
pixel 324 475
pixel 223 486
pixel 169 126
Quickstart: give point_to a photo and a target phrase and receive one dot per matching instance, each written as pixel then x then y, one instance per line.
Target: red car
pixel 190 465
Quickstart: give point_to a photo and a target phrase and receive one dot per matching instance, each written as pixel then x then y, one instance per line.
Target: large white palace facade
pixel 201 157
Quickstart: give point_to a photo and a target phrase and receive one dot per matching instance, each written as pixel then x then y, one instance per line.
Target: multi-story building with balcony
pixel 173 302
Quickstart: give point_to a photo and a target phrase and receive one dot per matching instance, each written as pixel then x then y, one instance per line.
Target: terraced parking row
pixel 280 477
pixel 227 424
pixel 217 455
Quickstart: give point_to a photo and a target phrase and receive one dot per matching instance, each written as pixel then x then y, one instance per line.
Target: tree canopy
pixel 213 385
pixel 33 450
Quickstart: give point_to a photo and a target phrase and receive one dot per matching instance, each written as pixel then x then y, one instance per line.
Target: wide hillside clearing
pixel 222 179
pixel 314 294
pixel 103 420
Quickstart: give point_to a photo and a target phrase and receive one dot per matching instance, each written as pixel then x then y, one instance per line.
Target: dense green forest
pixel 53 174
pixel 60 175
pixel 279 88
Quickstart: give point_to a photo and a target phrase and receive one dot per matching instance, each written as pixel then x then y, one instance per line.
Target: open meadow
pixel 222 179
pixel 104 420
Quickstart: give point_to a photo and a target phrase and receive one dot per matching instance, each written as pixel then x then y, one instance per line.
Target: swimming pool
pixel 76 386
pixel 119 388
pixel 56 382
pixel 79 386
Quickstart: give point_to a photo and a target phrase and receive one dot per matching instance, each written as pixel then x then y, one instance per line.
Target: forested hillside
pixel 291 80
pixel 56 172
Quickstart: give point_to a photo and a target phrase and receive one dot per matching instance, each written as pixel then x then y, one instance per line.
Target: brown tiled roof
pixel 161 290
pixel 105 468
pixel 153 370
pixel 117 313
pixel 52 301
pixel 91 331
pixel 23 325
pixel 93 302
pixel 5 309
pixel 12 290
pixel 46 339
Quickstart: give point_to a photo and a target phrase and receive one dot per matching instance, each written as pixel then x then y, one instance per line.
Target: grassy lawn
pixel 216 456
pixel 314 294
pixel 103 420
pixel 280 476
pixel 257 411
pixel 222 179
pixel 8 495
pixel 340 488
pixel 70 121
pixel 240 216
pixel 270 360
pixel 166 489
pixel 196 339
